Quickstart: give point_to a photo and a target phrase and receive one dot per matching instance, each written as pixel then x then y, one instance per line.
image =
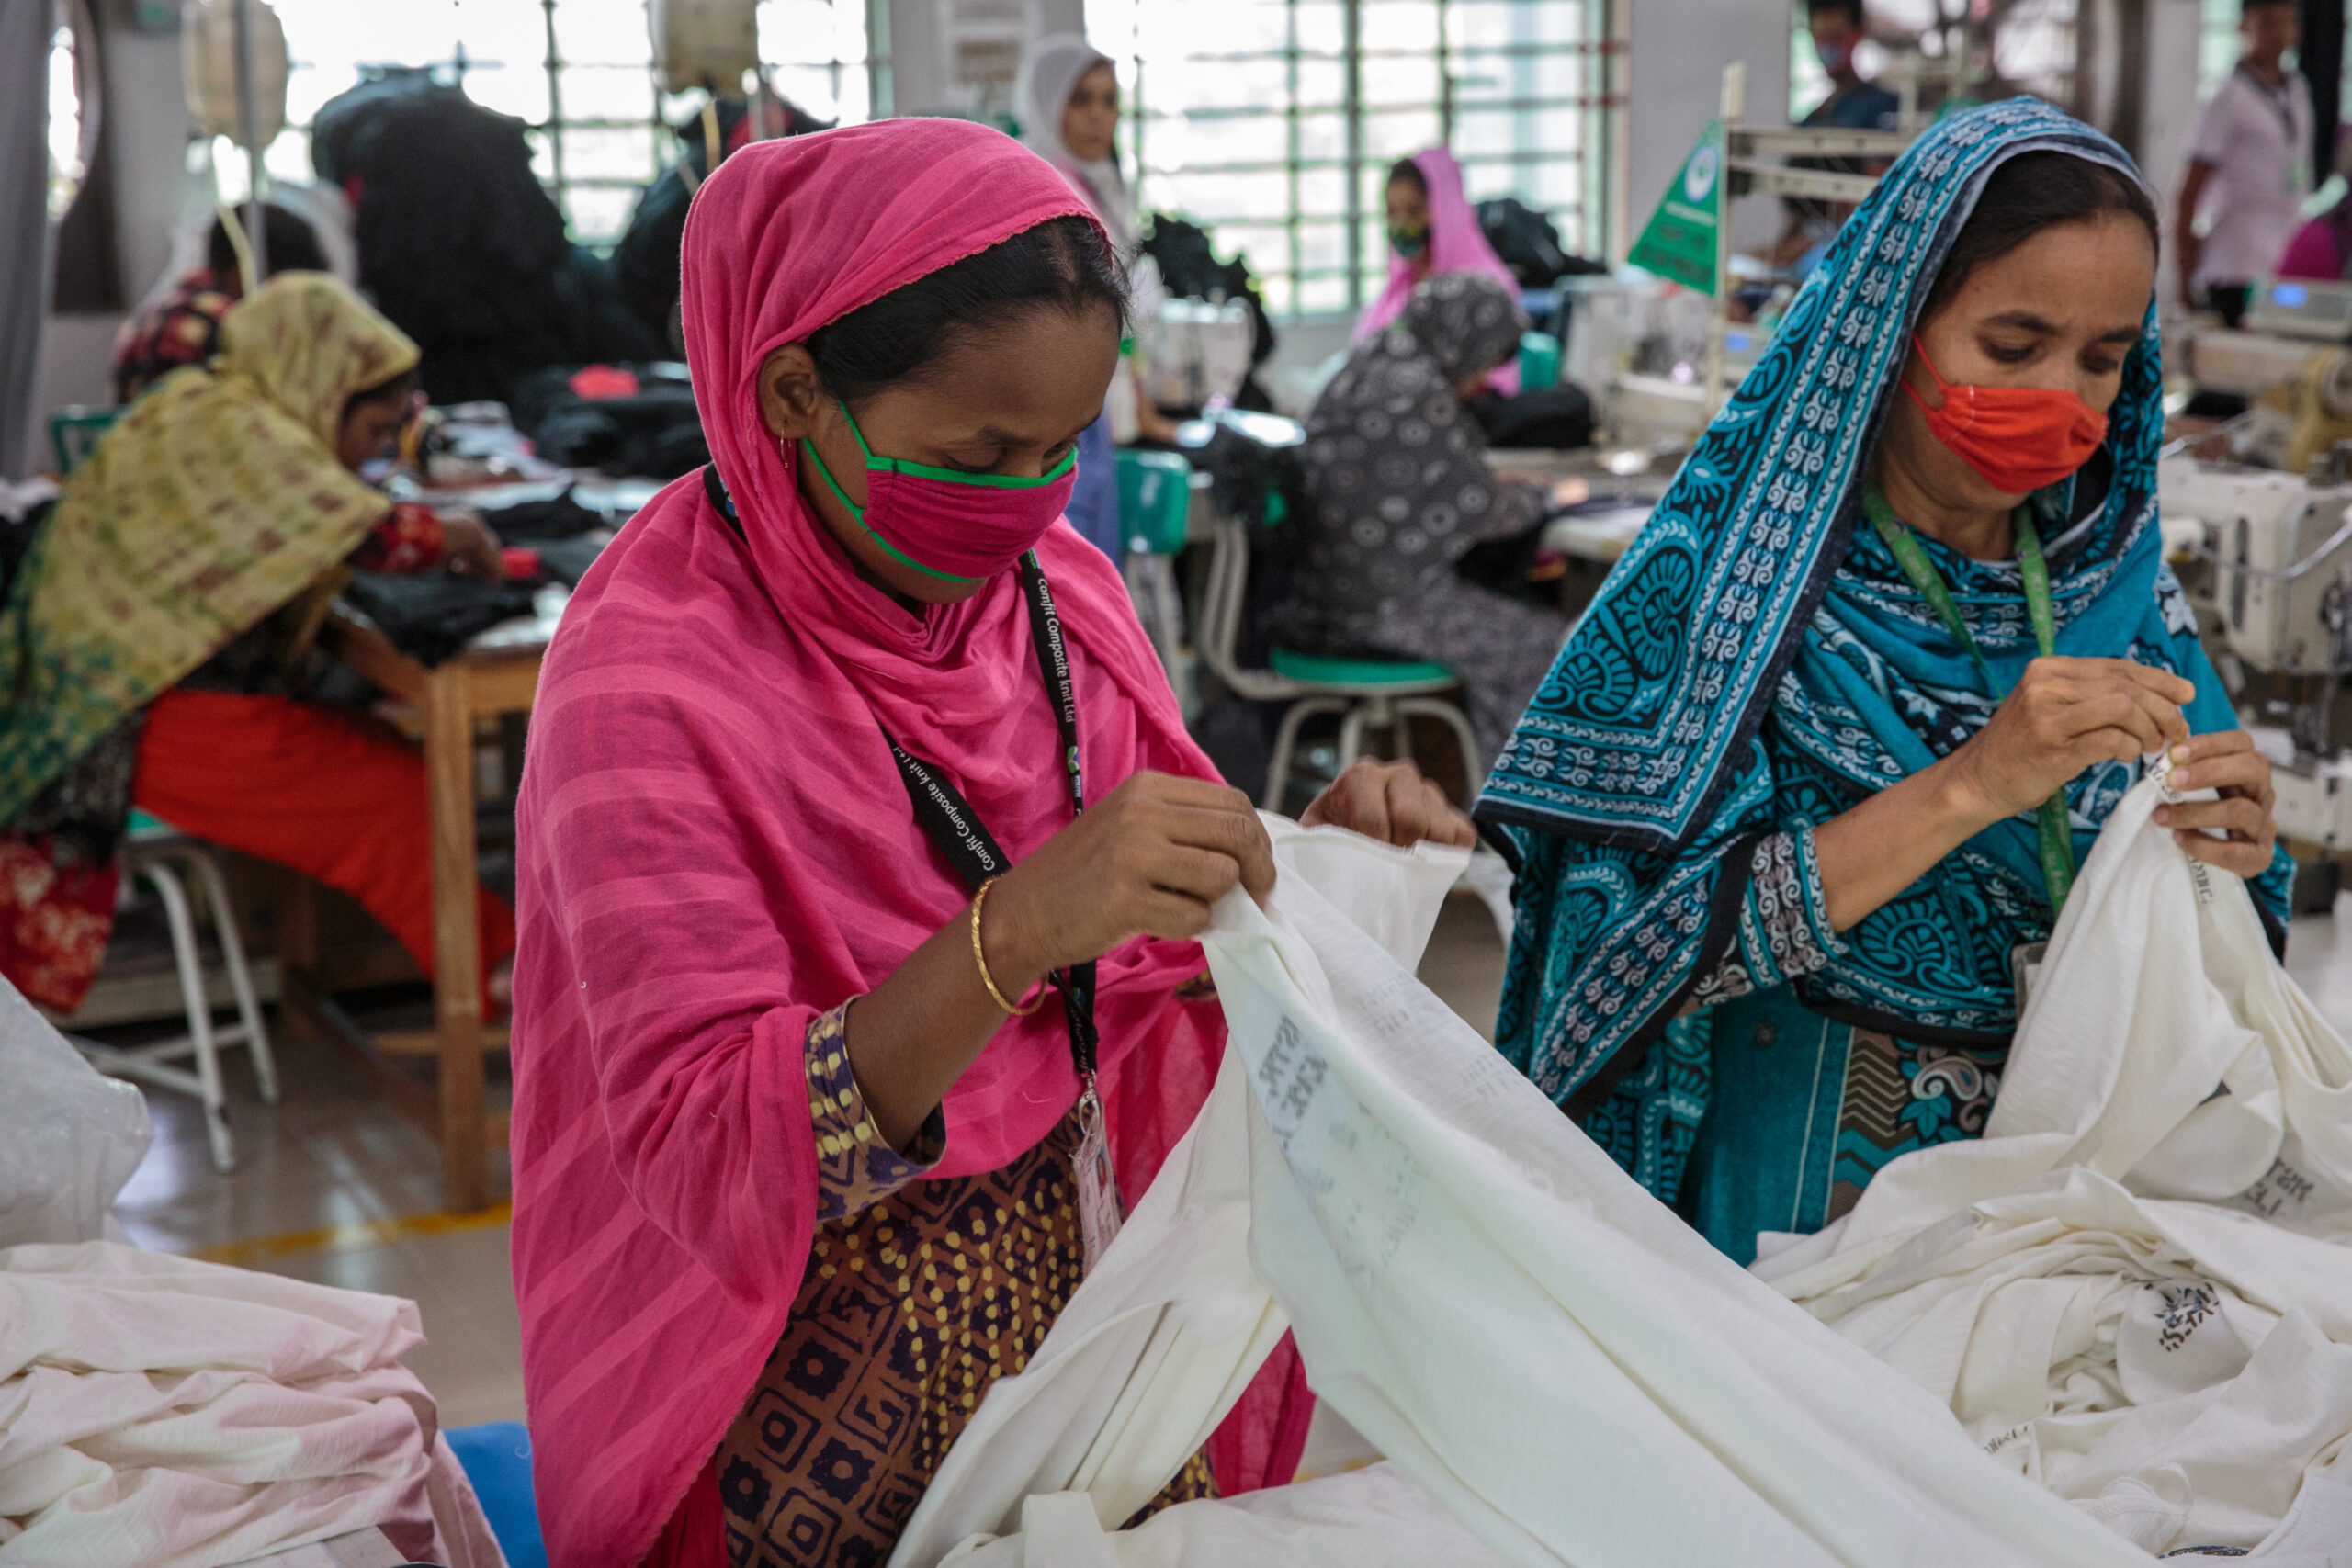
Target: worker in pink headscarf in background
pixel 1432 228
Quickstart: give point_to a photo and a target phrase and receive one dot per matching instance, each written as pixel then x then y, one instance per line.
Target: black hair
pixel 1063 264
pixel 2031 192
pixel 1405 172
pixel 2248 7
pixel 394 389
pixel 292 244
pixel 1853 9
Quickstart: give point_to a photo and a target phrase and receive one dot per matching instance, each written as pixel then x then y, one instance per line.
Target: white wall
pixel 1678 51
pixel 2169 110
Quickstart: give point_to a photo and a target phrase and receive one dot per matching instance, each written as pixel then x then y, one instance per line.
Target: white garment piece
pixel 1170 1324
pixel 1566 1367
pixel 70 1136
pixel 2134 1288
pixel 158 1411
pixel 1373 1517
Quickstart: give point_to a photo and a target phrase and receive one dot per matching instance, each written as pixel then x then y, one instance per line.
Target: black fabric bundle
pixel 459 245
pixel 432 616
pixel 1529 244
pixel 1552 418
pixel 654 432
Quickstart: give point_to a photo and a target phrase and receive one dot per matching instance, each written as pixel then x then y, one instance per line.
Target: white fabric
pixel 2261 176
pixel 69 1135
pixel 180 1415
pixel 2135 1288
pixel 1172 1324
pixel 1368 1518
pixel 1550 1355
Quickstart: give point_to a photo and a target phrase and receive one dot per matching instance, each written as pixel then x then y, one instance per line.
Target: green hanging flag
pixel 1680 243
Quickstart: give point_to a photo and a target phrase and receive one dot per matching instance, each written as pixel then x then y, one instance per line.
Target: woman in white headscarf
pixel 1069 99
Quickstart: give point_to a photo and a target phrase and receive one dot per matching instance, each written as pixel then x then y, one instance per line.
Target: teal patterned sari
pixel 1758 664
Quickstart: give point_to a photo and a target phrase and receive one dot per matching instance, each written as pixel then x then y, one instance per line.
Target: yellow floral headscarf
pixel 215 501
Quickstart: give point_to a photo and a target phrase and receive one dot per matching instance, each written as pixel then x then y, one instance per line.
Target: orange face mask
pixel 2019 438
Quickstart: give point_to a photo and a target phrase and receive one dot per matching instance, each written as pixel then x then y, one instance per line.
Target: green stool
pixel 1155 504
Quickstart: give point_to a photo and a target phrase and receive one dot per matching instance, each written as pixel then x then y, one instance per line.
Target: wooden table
pixel 498 673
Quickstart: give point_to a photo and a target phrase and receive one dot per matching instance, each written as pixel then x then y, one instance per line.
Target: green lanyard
pixel 2057 839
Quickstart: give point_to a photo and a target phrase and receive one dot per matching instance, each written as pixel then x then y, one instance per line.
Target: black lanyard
pixel 948 819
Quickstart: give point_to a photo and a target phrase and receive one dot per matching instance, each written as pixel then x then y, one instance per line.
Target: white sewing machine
pixel 2279 549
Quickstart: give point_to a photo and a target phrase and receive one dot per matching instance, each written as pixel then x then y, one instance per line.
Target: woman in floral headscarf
pixel 152 642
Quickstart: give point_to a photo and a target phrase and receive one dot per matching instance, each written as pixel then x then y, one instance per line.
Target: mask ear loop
pixel 856 512
pixel 1943 388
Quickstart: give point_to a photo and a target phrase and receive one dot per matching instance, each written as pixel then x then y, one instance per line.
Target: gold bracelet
pixel 981 959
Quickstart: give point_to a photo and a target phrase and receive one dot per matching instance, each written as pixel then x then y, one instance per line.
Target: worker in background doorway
pixel 2249 166
pixel 1838 30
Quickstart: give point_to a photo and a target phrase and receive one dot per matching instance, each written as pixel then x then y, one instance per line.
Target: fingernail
pixel 2163 816
pixel 2180 753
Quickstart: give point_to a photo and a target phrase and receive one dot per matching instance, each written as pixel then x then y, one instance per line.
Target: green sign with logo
pixel 1680 243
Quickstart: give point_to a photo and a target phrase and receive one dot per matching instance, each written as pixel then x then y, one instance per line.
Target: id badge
pixel 1098 1185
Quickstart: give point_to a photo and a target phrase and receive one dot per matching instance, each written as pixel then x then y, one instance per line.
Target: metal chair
pixel 1369 693
pixel 167 860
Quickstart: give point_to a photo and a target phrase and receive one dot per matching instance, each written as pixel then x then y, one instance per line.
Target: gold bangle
pixel 981 959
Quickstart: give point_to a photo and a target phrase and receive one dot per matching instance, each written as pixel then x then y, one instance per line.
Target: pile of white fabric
pixel 1559 1370
pixel 2136 1288
pixel 170 1414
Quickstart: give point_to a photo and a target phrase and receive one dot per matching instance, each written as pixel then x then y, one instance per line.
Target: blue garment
pixel 1093 507
pixel 1758 664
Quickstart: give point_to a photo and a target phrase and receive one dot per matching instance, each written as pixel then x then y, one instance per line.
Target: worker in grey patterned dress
pixel 1396 472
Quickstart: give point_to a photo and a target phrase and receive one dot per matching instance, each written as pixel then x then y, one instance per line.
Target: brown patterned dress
pixel 918 1295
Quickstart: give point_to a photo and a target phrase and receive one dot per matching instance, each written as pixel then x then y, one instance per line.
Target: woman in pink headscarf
pixel 819 961
pixel 1432 230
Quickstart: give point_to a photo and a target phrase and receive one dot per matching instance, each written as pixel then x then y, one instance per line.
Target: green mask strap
pixel 922 470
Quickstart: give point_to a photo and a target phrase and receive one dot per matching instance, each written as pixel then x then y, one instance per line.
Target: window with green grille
pixel 1273 123
pixel 578 71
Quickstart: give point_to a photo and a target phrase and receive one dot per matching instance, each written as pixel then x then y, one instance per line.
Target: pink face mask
pixel 956 526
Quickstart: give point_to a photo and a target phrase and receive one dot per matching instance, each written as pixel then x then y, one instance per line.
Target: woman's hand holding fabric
pixel 1391 802
pixel 2065 715
pixel 1148 860
pixel 2225 760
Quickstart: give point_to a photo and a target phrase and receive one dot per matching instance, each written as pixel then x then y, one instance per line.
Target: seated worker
pixel 1838 28
pixel 1397 474
pixel 1816 767
pixel 151 643
pixel 1434 230
pixel 645 261
pixel 183 327
pixel 779 1029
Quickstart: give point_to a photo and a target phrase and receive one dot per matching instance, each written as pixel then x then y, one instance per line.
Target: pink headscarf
pixel 1456 244
pixel 713 848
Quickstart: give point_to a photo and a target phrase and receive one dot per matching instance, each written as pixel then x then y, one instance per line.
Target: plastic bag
pixel 69 1136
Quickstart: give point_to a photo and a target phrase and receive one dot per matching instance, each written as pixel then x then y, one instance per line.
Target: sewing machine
pixel 2277 587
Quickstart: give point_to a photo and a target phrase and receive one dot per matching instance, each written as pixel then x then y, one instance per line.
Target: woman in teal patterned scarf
pixel 1817 766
